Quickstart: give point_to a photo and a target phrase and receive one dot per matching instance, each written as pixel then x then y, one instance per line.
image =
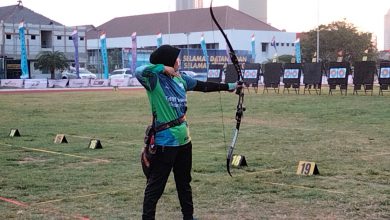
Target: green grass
pixel 347 137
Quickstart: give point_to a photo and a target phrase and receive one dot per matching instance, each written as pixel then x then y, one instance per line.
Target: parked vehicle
pixel 121 74
pixel 189 73
pixel 197 76
pixel 83 73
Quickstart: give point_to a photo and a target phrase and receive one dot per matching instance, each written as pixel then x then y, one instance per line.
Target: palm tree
pixel 48 60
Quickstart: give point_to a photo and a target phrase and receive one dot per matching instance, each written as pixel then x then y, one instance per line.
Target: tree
pixel 114 59
pixel 336 37
pixel 281 59
pixel 47 60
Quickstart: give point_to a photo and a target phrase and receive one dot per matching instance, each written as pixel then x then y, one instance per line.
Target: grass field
pixel 346 136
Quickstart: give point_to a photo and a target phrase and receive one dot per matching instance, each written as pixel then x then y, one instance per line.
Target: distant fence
pixel 66 83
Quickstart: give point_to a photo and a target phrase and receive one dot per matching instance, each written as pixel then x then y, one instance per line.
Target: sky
pixel 289 15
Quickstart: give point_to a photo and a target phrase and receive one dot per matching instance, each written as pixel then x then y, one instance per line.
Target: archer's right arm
pixel 147 75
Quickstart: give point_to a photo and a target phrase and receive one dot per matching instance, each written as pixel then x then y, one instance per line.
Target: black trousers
pixel 178 159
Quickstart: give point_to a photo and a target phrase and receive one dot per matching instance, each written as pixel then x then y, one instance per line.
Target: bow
pixel 239 91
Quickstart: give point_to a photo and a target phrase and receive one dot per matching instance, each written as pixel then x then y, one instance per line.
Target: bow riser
pixel 231 148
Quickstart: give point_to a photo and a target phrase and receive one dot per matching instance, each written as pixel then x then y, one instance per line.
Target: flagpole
pixel 318 31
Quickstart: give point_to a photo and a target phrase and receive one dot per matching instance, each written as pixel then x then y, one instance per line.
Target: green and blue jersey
pixel 168 100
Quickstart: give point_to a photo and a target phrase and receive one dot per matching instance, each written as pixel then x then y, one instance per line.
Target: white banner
pixel 78 83
pixel 99 82
pixel 58 83
pixel 35 83
pixel 134 82
pixel 120 82
pixel 11 83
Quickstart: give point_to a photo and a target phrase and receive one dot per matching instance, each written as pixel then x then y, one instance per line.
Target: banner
pixel 57 83
pixel 195 60
pixel 120 82
pixel 103 49
pixel 204 49
pixel 298 51
pixel 253 47
pixel 12 83
pixel 159 40
pixel 35 83
pixel 75 38
pixel 23 54
pixel 78 83
pixel 99 82
pixel 134 82
pixel 133 51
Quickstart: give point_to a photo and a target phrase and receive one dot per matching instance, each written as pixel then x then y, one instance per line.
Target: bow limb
pixel 239 91
pixel 232 54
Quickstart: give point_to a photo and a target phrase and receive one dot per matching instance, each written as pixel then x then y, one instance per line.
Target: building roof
pixel 16 13
pixel 192 20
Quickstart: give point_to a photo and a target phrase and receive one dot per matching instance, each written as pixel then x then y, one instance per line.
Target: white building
pixel 184 29
pixel 41 34
pixel 387 31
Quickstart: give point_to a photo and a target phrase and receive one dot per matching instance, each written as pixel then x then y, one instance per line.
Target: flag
pixel 298 51
pixel 23 54
pixel 159 40
pixel 133 51
pixel 103 49
pixel 273 43
pixel 204 49
pixel 75 38
pixel 253 47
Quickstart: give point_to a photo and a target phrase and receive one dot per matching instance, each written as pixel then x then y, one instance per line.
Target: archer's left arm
pixel 213 87
pixel 197 85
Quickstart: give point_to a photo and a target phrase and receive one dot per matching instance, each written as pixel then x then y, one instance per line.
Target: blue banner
pixel 23 54
pixel 298 51
pixel 253 47
pixel 133 51
pixel 204 50
pixel 103 49
pixel 194 60
pixel 75 38
pixel 159 40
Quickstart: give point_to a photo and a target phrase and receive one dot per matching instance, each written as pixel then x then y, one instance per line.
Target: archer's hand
pixel 232 87
pixel 170 71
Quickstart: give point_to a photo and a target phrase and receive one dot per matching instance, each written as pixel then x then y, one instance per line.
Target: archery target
pixel 385 72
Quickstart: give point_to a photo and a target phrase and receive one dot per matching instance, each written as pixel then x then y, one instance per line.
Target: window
pixel 8 36
pixel 277 44
pixel 264 47
pixel 70 37
pixel 282 44
pixel 81 38
pixel 46 39
pixel 33 37
pixel 287 44
pixel 292 44
pixel 59 37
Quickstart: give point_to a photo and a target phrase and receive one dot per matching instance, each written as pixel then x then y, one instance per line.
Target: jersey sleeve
pixel 147 75
pixel 191 82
